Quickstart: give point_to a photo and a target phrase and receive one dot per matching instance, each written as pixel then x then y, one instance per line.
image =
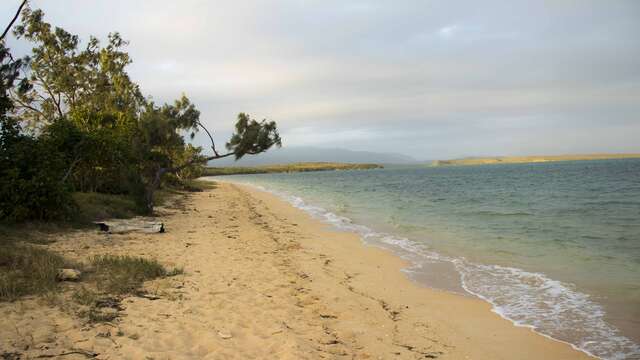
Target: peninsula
pixel 530 159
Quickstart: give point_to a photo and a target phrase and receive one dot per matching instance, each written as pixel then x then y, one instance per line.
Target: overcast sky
pixel 429 79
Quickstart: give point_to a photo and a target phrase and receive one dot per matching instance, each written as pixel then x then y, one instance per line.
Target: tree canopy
pixel 72 119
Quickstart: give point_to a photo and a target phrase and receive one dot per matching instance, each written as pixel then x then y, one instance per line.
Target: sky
pixel 429 79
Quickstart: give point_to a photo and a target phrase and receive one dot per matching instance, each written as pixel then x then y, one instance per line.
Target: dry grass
pixel 125 274
pixel 27 270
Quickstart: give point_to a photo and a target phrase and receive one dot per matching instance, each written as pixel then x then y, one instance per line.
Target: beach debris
pixel 68 275
pixel 105 309
pixel 100 314
pixel 86 353
pixel 10 356
pixel 328 316
pixel 148 296
pixel 225 334
pixel 109 302
pixel 119 226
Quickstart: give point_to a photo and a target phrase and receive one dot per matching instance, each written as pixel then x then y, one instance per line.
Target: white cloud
pixel 448 31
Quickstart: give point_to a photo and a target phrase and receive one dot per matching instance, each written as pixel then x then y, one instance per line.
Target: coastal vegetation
pixel 73 121
pixel 530 159
pixel 287 168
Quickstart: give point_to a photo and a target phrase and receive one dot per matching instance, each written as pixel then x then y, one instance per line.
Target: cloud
pixel 438 79
pixel 448 31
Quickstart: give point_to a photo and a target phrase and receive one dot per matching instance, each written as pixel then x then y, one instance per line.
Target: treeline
pixel 287 168
pixel 72 120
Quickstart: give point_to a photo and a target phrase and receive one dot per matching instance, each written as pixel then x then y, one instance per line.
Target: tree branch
pixel 53 98
pixel 75 161
pixel 196 160
pixel 70 169
pixel 24 105
pixel 15 17
pixel 213 145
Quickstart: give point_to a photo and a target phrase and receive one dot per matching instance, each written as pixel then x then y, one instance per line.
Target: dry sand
pixel 264 280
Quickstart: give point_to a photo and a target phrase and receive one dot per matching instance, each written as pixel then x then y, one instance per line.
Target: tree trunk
pixel 151 189
pixel 155 184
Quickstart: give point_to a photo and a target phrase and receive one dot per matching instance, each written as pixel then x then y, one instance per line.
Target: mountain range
pixel 295 154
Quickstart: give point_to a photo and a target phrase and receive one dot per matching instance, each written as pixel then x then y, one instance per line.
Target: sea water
pixel 553 246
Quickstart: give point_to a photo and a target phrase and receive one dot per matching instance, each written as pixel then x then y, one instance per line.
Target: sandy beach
pixel 265 280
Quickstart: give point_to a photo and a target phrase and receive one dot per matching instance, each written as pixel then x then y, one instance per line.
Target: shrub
pixel 96 206
pixel 31 173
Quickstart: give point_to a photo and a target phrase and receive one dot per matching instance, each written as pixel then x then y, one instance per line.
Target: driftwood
pixel 86 353
pixel 117 226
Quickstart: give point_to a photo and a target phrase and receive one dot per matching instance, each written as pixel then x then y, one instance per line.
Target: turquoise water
pixel 554 246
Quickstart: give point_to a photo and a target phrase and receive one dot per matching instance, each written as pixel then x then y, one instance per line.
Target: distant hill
pixel 290 155
pixel 530 159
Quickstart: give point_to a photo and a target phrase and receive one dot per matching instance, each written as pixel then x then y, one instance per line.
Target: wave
pixel 612 202
pixel 497 213
pixel 549 307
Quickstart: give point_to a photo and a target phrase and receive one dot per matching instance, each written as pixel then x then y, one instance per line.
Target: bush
pixel 31 173
pixel 96 206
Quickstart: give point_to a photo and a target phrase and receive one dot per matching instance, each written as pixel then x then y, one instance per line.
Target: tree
pixel 91 123
pixel 30 169
pixel 86 85
pixel 251 137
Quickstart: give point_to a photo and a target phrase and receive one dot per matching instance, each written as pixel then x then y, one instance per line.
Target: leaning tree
pixel 250 137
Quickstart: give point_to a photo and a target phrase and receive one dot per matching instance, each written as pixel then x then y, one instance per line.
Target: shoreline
pixel 263 279
pixel 439 273
pixel 400 264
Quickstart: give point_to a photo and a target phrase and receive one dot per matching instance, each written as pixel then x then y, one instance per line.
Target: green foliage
pixel 73 120
pixel 31 169
pixel 253 137
pixel 27 270
pixel 92 168
pixel 9 72
pixel 90 84
pixel 95 206
pixel 160 136
pixel 31 180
